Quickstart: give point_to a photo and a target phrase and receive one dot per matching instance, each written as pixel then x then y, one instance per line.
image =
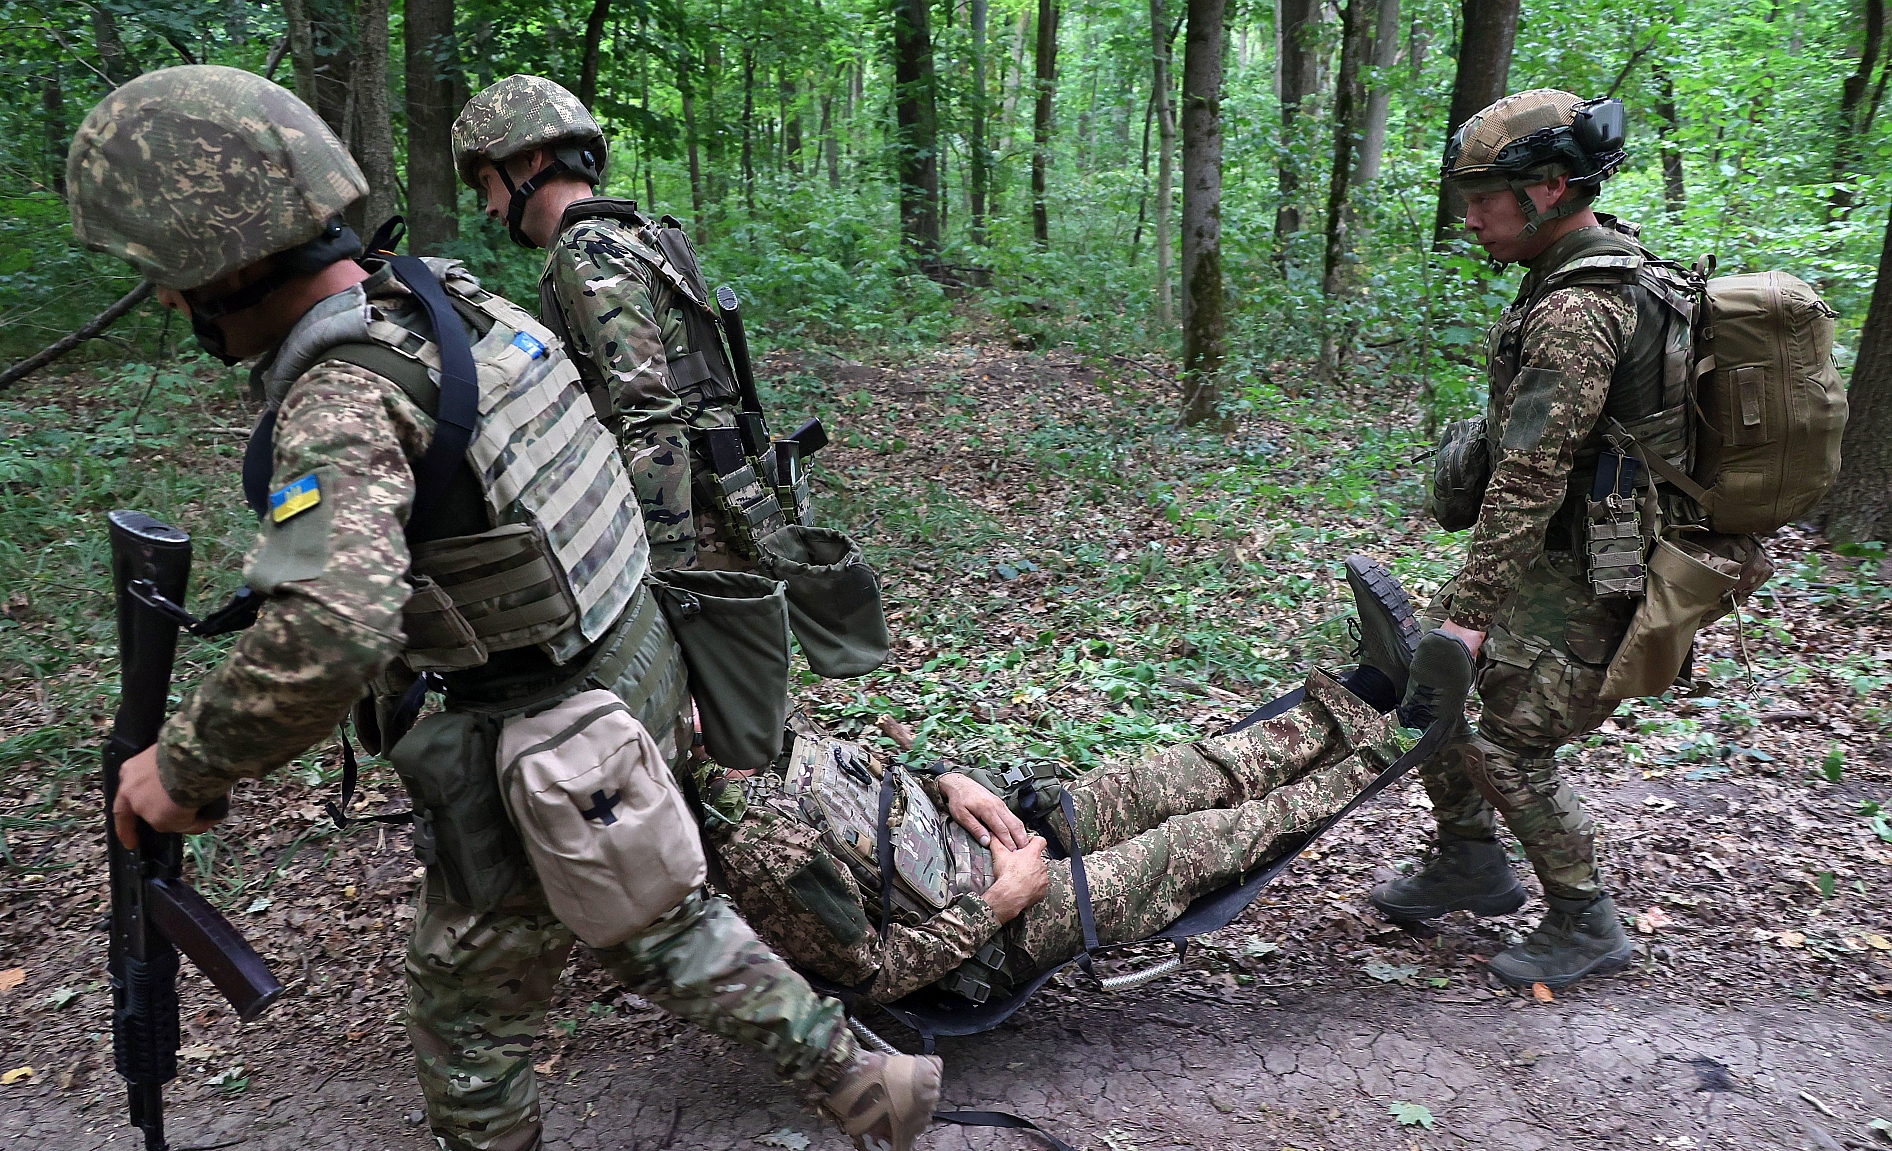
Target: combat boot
pixel 1389 629
pixel 1577 937
pixel 883 1102
pixel 1462 875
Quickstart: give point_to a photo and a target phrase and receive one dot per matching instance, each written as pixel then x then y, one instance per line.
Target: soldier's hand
pixel 142 796
pixel 980 812
pixel 1021 878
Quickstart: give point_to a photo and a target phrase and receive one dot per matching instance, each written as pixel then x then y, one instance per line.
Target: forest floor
pixel 1070 579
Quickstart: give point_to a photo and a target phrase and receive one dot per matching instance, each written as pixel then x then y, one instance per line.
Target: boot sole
pixel 1602 965
pixel 1373 585
pixel 1484 906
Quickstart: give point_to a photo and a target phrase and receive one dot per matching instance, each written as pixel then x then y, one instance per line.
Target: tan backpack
pixel 1770 408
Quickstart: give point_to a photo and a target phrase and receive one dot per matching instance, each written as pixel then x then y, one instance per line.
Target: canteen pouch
pixel 733 629
pixel 602 818
pixel 461 831
pixel 1461 467
pixel 833 599
pixel 1688 587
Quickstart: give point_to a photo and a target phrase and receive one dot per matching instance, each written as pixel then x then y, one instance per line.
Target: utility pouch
pixel 504 583
pixel 1688 587
pixel 438 637
pixel 1461 468
pixel 833 599
pixel 461 830
pixel 1613 530
pixel 733 629
pixel 602 818
pixel 750 507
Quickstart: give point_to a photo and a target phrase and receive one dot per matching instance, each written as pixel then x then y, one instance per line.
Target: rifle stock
pixel 155 914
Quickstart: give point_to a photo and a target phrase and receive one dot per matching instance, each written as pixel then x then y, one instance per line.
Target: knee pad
pixel 1475 757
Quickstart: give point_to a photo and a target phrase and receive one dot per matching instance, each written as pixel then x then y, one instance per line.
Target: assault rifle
pixel 155 914
pixel 780 460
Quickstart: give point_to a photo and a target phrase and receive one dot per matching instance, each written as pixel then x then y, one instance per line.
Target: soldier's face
pixel 1497 222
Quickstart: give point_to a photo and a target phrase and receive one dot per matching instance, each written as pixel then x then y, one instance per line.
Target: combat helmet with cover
pixel 1534 136
pixel 191 173
pixel 515 116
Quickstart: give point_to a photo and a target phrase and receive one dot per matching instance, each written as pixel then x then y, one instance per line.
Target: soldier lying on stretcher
pixel 977 908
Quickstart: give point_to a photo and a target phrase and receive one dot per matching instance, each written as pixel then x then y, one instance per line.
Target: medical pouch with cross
pixel 601 816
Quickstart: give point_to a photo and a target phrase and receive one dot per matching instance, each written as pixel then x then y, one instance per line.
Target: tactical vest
pixel 1650 389
pixel 539 541
pixel 701 375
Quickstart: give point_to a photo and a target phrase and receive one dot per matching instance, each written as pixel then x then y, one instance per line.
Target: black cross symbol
pixel 601 807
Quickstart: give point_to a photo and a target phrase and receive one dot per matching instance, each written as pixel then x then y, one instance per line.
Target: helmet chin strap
pixel 516 207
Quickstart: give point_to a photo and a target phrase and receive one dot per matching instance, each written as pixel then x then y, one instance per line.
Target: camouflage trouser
pixel 478 987
pixel 1159 832
pixel 1540 679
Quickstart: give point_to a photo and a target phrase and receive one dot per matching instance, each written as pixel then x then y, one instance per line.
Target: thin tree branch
pixel 66 343
pixel 275 57
pixel 80 60
pixel 1629 64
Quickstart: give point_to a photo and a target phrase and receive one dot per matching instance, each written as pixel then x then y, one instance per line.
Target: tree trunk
pixel 1490 28
pixel 686 91
pixel 830 147
pixel 114 61
pixel 433 218
pixel 1349 99
pixel 374 122
pixel 1669 130
pixel 1854 111
pixel 748 130
pixel 1046 75
pixel 1860 505
pixel 1165 158
pixel 588 68
pixel 978 174
pixel 1298 65
pixel 791 124
pixel 52 102
pixel 1205 333
pixel 301 48
pixel 1379 101
pixel 917 116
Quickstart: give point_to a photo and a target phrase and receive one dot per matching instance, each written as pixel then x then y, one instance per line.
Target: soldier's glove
pixel 1440 683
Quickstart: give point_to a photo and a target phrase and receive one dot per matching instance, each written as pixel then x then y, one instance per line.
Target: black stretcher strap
pixel 1080 886
pixel 883 850
pixel 1000 1119
pixel 398 725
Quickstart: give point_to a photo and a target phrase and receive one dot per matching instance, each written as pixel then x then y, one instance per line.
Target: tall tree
pixel 1855 112
pixel 117 64
pixel 52 101
pixel 980 168
pixel 1356 18
pixel 686 92
pixel 1205 327
pixel 1860 505
pixel 1379 100
pixel 1298 77
pixel 588 61
pixel 1047 81
pixel 301 48
pixel 916 112
pixel 1489 30
pixel 432 184
pixel 1160 41
pixel 374 127
pixel 1669 132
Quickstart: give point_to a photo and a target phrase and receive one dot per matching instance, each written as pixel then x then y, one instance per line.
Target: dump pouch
pixel 609 832
pixel 1688 586
pixel 733 628
pixel 833 599
pixel 1460 470
pixel 461 830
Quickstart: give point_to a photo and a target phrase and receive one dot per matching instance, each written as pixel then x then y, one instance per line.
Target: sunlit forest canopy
pixel 776 131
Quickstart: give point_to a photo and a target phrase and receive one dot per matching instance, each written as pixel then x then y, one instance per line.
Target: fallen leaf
pixel 1411 1115
pixel 260 903
pixel 9 1078
pixel 1390 973
pixel 12 977
pixel 1879 942
pixel 197 1051
pixel 787 1138
pixel 893 729
pixel 1791 939
pixel 1542 993
pixel 1653 920
pixel 61 998
pixel 547 1067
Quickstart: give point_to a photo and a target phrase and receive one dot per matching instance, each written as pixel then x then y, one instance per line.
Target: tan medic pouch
pixel 1688 587
pixel 601 816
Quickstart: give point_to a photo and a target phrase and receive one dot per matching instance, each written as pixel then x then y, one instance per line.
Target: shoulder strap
pixel 459 407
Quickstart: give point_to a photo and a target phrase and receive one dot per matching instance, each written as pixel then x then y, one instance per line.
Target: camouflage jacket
pixel 331 575
pixel 807 905
pixel 1550 375
pixel 623 321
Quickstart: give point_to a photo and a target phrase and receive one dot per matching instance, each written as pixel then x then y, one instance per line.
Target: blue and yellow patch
pixel 294 499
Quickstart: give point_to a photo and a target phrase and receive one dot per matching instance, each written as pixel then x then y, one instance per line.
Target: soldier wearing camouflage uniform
pixel 251 245
pixel 1154 833
pixel 1591 349
pixel 533 151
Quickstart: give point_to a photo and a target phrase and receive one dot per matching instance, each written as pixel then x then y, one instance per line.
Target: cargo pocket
pixel 733 629
pixel 460 826
pixel 1592 631
pixel 1687 586
pixel 833 599
pixel 605 824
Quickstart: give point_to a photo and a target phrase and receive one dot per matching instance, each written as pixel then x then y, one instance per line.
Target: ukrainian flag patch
pixel 294 499
pixel 525 343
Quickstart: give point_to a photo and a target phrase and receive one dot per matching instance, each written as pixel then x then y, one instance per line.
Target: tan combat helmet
pixel 516 115
pixel 191 173
pixel 1531 137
